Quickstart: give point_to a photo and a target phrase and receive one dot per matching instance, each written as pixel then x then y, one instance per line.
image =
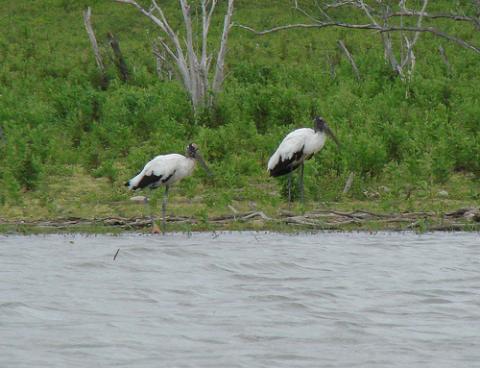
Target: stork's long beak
pixel 331 135
pixel 202 162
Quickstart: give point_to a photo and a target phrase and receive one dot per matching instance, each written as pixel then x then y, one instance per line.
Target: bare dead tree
pixel 193 60
pixel 119 60
pixel 379 16
pixel 93 40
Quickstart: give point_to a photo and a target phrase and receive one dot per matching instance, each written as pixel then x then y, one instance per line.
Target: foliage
pixel 55 116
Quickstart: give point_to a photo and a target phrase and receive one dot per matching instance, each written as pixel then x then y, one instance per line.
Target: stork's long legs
pixel 300 184
pixel 148 209
pixel 289 189
pixel 164 209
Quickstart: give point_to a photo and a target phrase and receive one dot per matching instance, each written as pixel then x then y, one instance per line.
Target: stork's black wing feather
pixel 286 166
pixel 147 181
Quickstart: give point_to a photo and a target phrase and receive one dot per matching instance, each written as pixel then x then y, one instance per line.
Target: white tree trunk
pixel 219 70
pixel 192 67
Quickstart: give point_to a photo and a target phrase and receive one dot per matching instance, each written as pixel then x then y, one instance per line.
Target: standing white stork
pixel 297 147
pixel 164 170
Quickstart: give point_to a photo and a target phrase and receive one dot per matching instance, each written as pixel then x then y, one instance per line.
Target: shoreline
pixel 463 219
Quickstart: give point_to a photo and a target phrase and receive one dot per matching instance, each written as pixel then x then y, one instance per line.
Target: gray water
pixel 241 300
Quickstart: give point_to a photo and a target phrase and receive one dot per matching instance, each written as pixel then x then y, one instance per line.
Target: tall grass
pixel 55 116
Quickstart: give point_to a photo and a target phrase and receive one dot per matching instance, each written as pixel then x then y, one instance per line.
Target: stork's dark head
pixel 192 150
pixel 320 125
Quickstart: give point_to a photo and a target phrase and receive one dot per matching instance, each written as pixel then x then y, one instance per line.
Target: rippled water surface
pixel 241 300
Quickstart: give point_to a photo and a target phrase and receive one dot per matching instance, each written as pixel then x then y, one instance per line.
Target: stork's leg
pixel 164 209
pixel 289 189
pixel 155 228
pixel 300 184
pixel 147 210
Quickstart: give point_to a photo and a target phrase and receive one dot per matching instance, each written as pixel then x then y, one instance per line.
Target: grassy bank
pixel 69 145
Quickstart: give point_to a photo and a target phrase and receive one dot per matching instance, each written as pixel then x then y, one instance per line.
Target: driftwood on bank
pixel 461 219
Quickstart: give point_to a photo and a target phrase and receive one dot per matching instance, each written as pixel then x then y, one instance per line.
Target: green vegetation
pixel 69 145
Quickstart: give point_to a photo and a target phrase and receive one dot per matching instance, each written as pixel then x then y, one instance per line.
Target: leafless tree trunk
pixel 93 40
pixel 192 61
pixel 118 58
pixel 378 16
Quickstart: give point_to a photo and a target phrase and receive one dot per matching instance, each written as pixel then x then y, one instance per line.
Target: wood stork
pixel 164 170
pixel 297 147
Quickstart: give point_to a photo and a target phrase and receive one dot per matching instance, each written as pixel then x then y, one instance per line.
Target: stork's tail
pixel 132 184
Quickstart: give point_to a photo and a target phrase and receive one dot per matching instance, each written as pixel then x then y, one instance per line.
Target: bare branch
pixel 93 40
pixel 161 60
pixel 412 13
pixel 374 27
pixel 410 44
pixel 192 57
pixel 350 58
pixel 366 10
pixel 162 22
pixel 340 4
pixel 192 67
pixel 404 12
pixel 219 69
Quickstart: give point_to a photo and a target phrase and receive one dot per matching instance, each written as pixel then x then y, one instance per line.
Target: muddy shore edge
pixel 463 219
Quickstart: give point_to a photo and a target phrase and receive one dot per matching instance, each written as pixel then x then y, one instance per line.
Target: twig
pixel 256 214
pixel 115 256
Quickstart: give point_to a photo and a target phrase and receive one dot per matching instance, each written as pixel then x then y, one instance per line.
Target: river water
pixel 241 300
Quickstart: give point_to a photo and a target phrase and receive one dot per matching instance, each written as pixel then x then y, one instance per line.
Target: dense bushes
pixel 54 115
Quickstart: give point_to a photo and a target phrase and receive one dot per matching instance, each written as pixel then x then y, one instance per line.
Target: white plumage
pixel 296 147
pixel 163 170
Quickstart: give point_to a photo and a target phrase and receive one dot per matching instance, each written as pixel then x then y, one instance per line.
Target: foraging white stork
pixel 297 147
pixel 164 170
